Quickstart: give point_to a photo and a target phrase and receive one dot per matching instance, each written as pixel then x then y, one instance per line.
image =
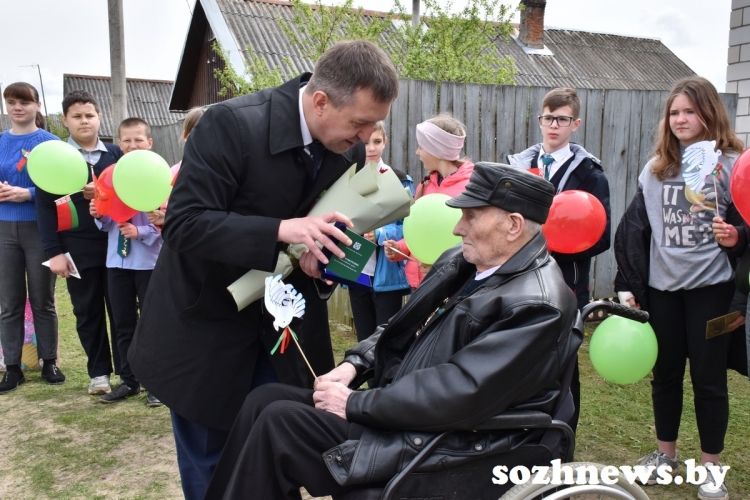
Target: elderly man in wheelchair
pixel 492 328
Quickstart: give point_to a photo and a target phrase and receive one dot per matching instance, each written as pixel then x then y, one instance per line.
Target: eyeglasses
pixel 562 121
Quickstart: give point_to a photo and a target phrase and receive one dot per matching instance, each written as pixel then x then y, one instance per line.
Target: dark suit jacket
pixel 242 174
pixel 86 243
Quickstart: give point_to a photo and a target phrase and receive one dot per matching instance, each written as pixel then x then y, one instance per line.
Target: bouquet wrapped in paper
pixel 370 198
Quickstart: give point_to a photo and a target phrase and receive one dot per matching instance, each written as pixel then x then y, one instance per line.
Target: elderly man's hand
pixel 344 373
pixel 331 397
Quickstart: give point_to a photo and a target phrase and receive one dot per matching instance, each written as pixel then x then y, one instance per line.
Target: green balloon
pixel 623 351
pixel 57 167
pixel 143 180
pixel 428 230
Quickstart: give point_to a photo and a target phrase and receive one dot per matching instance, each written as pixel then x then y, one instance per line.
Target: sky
pixel 71 36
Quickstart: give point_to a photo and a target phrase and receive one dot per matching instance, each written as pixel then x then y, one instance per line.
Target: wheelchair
pixel 548 439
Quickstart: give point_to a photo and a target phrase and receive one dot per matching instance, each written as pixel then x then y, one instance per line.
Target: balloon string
pixel 718 213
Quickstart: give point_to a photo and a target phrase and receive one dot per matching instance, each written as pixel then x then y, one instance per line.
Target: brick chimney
pixel 531 27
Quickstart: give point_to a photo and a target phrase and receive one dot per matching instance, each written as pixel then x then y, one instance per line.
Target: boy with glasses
pixel 568 166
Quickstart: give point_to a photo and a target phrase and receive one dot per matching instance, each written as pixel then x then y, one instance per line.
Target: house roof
pixel 579 59
pixel 147 99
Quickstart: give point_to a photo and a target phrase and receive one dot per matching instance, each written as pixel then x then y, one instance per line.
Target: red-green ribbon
pixel 22 162
pixel 284 340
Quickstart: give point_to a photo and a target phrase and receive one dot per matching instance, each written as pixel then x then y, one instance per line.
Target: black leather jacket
pixel 504 346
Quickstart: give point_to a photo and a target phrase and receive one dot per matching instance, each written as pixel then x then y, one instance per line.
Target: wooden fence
pixel 168 141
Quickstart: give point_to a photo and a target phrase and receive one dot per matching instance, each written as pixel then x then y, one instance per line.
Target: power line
pixel 187 2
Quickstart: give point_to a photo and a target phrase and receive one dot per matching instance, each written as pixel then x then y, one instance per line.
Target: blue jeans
pixel 21 257
pixel 199 447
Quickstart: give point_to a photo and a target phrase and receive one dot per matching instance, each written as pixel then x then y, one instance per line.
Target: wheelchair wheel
pixel 622 490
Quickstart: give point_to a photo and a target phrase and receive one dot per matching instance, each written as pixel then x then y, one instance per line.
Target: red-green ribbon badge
pixel 717 170
pixel 283 341
pixel 22 162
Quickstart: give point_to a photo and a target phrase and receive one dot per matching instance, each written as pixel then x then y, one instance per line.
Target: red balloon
pixel 106 200
pixel 576 222
pixel 739 185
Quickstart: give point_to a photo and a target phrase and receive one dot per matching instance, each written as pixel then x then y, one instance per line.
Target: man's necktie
pixel 123 245
pixel 547 160
pixel 317 150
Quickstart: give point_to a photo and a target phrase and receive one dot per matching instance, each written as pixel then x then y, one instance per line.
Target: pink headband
pixel 438 142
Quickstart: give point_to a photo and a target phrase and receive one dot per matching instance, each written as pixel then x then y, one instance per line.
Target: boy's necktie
pixel 316 151
pixel 547 160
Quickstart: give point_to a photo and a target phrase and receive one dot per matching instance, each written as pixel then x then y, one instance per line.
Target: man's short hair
pixel 349 66
pixel 79 97
pixel 562 96
pixel 134 121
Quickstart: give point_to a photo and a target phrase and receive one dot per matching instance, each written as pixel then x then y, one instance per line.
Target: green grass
pixel 59 442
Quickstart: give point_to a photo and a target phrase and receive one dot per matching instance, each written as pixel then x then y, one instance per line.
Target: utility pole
pixel 415 13
pixel 117 65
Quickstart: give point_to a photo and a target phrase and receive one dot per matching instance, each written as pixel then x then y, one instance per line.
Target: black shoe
pixel 52 374
pixel 11 381
pixel 152 401
pixel 122 392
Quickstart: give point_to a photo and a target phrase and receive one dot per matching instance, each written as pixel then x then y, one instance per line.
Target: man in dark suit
pixel 252 169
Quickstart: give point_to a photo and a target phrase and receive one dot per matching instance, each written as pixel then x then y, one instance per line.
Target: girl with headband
pixel 440 141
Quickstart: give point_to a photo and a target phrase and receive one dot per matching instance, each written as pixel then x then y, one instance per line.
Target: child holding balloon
pixel 67 227
pixel 669 264
pixel 132 249
pixel 440 141
pixel 568 167
pixel 21 249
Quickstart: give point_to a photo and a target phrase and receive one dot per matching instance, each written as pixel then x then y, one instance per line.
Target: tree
pixel 455 47
pixel 257 74
pixel 312 31
pixel 445 46
pixel 55 126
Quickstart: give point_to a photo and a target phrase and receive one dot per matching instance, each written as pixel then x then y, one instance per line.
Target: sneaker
pixel 656 459
pixel 52 374
pixel 709 490
pixel 152 401
pixel 122 392
pixel 99 385
pixel 11 380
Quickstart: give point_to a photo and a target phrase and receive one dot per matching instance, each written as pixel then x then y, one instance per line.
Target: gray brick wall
pixel 738 65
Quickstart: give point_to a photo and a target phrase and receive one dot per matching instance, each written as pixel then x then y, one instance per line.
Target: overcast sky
pixel 71 36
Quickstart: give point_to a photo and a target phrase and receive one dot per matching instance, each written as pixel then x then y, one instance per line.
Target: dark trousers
pixel 89 296
pixel 583 296
pixel 21 257
pixel 679 321
pixel 127 290
pixel 199 447
pixel 276 446
pixel 371 308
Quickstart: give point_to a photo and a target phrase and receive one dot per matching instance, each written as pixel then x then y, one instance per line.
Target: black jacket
pixel 504 346
pixel 243 173
pixel 86 243
pixel 582 172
